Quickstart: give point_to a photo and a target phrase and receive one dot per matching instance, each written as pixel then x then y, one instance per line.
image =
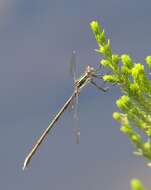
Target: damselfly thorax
pixel 85 78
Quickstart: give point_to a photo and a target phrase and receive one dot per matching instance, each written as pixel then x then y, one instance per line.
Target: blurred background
pixel 36 41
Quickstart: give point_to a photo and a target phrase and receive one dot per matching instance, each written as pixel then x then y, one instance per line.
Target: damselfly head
pixel 90 70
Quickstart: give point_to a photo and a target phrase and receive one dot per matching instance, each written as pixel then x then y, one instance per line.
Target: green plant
pixel 136 185
pixel 135 103
pixel 133 81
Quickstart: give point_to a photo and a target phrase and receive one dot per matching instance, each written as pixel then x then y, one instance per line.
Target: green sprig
pixel 135 103
pixel 136 185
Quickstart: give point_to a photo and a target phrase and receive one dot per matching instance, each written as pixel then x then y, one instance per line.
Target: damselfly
pixel 86 78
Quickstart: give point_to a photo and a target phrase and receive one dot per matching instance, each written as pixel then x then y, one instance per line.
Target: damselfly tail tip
pixel 25 164
pixel 23 168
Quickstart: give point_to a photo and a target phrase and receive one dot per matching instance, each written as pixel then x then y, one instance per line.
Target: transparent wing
pixel 73 70
pixel 73 73
pixel 74 105
pixel 76 120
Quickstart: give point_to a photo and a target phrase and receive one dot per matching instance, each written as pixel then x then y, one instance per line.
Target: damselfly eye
pixel 92 69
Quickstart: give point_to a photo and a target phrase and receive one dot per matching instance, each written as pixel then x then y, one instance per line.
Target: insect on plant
pixel 87 77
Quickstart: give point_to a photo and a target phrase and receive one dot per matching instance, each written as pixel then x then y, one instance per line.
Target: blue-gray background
pixel 36 41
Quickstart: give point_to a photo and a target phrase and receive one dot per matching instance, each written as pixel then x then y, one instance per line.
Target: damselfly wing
pixel 73 70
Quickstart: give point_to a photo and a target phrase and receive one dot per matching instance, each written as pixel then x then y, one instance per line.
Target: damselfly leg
pixel 104 89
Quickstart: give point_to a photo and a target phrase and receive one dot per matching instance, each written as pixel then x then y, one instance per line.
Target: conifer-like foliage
pixel 135 85
pixel 136 185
